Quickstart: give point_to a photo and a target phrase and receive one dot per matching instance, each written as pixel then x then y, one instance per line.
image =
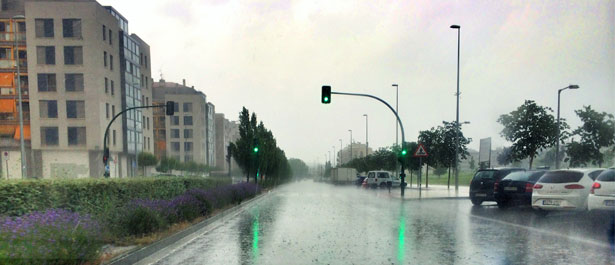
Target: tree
pixel 299 168
pixel 530 128
pixel 597 131
pixel 439 171
pixel 472 163
pixel 505 157
pixel 167 164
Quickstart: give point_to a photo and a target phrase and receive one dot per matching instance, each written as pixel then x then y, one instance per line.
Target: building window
pixel 175 146
pixel 174 120
pixel 174 133
pixel 49 136
pixel 76 136
pixel 73 82
pixel 112 110
pixel 73 55
pixel 112 88
pixel 46 82
pixel 114 136
pixel 146 100
pixel 176 107
pixel 187 120
pixel 105 58
pixel 4 53
pixel 187 107
pixel 187 158
pixel 145 61
pixel 110 37
pixel 71 28
pixel 75 109
pixel 107 110
pixel 187 146
pixel 106 85
pixel 48 109
pixel 45 55
pixel 43 27
pixel 147 123
pixel 104 32
pixel 110 61
pixel 188 133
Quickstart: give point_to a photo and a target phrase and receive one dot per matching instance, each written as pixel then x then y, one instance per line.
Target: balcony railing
pixel 10 64
pixel 8 36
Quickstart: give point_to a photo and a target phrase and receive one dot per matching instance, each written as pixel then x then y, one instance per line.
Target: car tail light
pixel 495 186
pixel 595 186
pixel 574 187
pixel 538 186
pixel 529 187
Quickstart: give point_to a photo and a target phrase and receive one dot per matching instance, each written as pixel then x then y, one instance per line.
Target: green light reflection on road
pixel 401 238
pixel 255 237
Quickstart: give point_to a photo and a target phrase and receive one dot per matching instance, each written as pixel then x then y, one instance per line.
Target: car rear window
pixel 536 176
pixel 484 174
pixel 595 174
pixel 561 177
pixel 518 176
pixel 608 175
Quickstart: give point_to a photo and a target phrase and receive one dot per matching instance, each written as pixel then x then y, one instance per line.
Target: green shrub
pixel 93 196
pixel 141 220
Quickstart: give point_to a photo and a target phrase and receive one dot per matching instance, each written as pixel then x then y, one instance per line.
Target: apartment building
pixel 12 54
pixel 357 151
pixel 189 134
pixel 84 68
pixel 226 132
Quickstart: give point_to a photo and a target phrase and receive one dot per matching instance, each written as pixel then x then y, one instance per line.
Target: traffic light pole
pixel 105 147
pixel 402 175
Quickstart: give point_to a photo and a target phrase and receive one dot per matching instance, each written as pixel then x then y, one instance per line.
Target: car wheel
pixel 502 204
pixel 476 201
pixel 383 185
pixel 541 212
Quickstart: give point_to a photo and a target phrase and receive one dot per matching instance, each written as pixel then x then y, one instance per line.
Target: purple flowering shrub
pixel 51 236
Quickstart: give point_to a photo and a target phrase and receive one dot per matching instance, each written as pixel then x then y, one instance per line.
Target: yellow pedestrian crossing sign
pixel 420 151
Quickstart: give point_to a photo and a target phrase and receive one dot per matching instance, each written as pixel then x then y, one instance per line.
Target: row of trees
pixel 167 164
pixel 532 128
pixel 439 142
pixel 267 163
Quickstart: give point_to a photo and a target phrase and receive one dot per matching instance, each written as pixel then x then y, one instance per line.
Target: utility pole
pixel 457 120
pixel 22 145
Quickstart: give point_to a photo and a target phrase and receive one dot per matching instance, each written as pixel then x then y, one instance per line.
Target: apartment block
pixel 189 134
pixel 226 132
pixel 84 68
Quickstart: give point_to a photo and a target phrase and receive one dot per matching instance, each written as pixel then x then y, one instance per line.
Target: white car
pixel 381 179
pixel 564 189
pixel 602 193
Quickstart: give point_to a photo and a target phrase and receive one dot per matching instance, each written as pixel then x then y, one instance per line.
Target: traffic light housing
pixel 255 145
pixel 170 108
pixel 326 95
pixel 106 156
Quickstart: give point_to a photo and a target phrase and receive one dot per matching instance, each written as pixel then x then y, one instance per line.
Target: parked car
pixel 516 188
pixel 563 189
pixel 382 179
pixel 481 187
pixel 602 193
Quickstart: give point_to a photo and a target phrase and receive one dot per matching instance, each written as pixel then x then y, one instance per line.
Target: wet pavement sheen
pixel 317 223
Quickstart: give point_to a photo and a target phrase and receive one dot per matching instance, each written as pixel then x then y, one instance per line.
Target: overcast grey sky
pixel 273 57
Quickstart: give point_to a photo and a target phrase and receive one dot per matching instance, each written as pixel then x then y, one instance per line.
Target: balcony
pixel 8 36
pixel 10 64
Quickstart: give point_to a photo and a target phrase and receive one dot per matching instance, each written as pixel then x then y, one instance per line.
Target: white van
pixel 381 178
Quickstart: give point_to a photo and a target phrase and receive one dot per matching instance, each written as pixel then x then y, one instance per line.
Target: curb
pixel 143 252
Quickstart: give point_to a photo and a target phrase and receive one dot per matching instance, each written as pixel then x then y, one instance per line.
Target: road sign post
pixel 420 152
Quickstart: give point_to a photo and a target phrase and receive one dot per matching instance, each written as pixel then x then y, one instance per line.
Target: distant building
pixel 358 151
pixel 188 135
pixel 210 123
pixel 226 132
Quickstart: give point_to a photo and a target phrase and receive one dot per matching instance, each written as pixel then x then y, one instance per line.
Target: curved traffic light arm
pixel 105 147
pixel 402 175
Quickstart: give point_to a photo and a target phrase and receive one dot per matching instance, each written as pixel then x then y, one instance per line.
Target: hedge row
pixel 93 196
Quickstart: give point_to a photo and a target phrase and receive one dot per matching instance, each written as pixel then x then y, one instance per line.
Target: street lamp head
pixel 394 85
pixel 573 86
pixel 455 26
pixel 364 115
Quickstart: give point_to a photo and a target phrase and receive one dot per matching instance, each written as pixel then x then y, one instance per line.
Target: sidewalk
pixel 433 192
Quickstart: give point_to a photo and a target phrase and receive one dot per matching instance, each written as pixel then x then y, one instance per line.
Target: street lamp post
pixel 457 119
pixel 335 156
pixel 24 167
pixel 341 152
pixel 559 92
pixel 350 146
pixel 366 134
pixel 396 124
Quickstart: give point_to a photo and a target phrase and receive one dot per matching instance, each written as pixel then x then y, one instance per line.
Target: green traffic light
pixel 255 149
pixel 326 99
pixel 403 152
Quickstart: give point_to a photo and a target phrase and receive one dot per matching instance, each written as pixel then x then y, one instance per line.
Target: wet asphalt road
pixel 317 223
